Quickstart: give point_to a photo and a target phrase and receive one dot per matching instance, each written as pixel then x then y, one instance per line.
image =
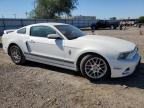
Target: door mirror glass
pixel 53 36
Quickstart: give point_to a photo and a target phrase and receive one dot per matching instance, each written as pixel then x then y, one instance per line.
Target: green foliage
pixel 141 19
pixel 53 8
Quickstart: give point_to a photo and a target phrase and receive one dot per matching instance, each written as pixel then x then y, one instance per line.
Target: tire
pixel 94 73
pixel 17 55
pixel 112 27
pixel 93 27
pixel 115 27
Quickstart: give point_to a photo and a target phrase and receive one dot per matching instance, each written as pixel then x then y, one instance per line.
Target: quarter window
pixel 22 31
pixel 41 31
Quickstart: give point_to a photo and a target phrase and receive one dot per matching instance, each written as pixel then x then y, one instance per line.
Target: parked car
pixel 112 24
pixel 1 32
pixel 63 45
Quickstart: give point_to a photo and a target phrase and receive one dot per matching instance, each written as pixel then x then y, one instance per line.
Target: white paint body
pixel 65 53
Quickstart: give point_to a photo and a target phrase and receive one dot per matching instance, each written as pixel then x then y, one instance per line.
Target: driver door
pixel 41 47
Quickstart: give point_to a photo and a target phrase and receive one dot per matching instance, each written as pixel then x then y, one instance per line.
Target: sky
pixel 102 9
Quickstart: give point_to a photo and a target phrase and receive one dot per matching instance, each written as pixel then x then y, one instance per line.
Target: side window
pixel 22 31
pixel 41 31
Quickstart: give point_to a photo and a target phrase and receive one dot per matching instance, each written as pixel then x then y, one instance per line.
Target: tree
pixel 141 19
pixel 53 8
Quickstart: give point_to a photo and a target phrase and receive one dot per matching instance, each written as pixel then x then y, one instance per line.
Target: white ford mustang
pixel 65 46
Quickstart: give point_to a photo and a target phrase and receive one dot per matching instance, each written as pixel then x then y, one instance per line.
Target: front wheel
pixel 93 27
pixel 112 27
pixel 16 55
pixel 94 67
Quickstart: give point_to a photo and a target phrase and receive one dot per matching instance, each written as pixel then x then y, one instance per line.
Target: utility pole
pixel 26 14
pixel 2 16
pixel 14 16
pixel 34 9
pixel 34 4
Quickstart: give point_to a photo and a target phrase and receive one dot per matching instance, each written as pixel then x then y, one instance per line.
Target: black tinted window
pixel 69 31
pixel 41 31
pixel 22 31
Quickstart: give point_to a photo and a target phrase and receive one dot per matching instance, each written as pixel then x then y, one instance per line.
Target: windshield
pixel 69 31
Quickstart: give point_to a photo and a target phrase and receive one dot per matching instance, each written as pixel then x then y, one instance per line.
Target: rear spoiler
pixel 9 31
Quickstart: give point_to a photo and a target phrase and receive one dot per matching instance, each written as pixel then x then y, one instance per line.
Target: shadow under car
pixel 134 80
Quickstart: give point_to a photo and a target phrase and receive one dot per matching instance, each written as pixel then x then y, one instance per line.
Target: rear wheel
pixel 16 55
pixel 94 67
pixel 112 27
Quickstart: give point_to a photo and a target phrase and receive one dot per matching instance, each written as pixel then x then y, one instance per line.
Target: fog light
pixel 126 71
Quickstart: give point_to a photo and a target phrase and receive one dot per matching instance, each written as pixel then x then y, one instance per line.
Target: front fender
pixel 107 57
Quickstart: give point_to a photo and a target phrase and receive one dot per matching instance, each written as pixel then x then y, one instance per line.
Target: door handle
pixel 32 41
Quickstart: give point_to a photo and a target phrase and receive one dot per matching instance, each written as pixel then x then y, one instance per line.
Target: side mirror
pixel 54 36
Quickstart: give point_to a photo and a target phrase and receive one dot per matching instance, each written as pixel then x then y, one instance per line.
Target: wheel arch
pixel 11 44
pixel 90 53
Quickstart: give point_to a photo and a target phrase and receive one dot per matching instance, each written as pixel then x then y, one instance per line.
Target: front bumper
pixel 122 68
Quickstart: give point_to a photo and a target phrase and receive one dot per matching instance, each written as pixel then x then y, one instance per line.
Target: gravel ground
pixel 42 86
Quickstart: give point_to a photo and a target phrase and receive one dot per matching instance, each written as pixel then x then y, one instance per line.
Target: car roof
pixel 46 24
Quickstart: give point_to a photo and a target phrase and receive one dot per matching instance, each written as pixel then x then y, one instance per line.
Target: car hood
pixel 108 42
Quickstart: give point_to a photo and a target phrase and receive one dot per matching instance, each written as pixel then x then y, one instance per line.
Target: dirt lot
pixel 41 86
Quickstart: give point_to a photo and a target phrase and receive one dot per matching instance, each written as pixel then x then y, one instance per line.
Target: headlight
pixel 128 55
pixel 124 55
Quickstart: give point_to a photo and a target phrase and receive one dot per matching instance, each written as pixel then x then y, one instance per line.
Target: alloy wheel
pixel 96 68
pixel 15 54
